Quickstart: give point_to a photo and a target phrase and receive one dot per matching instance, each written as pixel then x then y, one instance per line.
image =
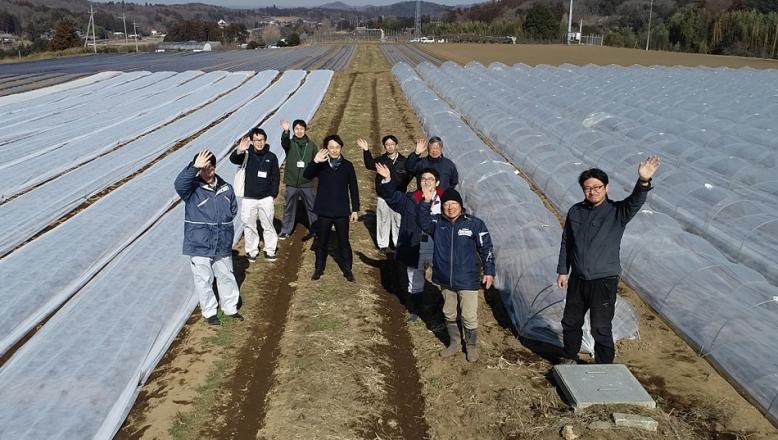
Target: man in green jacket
pixel 299 153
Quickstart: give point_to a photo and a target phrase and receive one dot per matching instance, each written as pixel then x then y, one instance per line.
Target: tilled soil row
pixel 347 368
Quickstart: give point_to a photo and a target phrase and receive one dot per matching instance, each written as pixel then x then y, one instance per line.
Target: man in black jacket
pixel 260 188
pixel 337 203
pixel 387 221
pixel 591 241
pixel 449 177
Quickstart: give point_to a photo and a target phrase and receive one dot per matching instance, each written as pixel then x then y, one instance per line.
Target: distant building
pixel 8 39
pixel 193 46
pixel 222 24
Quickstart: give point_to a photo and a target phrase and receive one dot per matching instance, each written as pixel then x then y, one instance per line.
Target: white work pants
pixel 387 221
pixel 250 211
pixel 204 270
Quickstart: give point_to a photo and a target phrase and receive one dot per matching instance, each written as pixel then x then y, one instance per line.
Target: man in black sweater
pixel 387 221
pixel 591 241
pixel 337 183
pixel 261 187
pixel 449 177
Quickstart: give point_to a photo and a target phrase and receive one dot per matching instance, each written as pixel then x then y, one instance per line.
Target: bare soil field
pixel 330 359
pixel 556 54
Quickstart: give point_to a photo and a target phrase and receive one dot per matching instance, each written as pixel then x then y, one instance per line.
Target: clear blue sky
pixel 293 3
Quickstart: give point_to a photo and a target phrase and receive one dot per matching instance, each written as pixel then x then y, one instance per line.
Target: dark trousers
pixel 599 298
pixel 291 195
pixel 324 225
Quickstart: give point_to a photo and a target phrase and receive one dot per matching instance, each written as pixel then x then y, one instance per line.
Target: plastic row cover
pixel 43 274
pixel 737 157
pixel 32 120
pixel 742 224
pixel 76 83
pixel 92 142
pixel 741 154
pixel 29 213
pixel 525 234
pixel 728 311
pixel 87 370
pixel 301 105
pixel 14 104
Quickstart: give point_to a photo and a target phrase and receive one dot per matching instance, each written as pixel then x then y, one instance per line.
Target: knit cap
pixel 451 194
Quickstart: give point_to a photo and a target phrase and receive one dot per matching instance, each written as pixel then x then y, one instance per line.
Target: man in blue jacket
pixel 461 240
pixel 210 206
pixel 447 171
pixel 591 242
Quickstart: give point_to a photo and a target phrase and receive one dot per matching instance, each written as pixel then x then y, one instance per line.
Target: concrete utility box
pixel 587 385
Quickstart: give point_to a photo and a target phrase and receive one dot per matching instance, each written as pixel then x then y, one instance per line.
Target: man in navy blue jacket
pixel 210 207
pixel 337 203
pixel 591 241
pixel 461 240
pixel 260 188
pixel 447 171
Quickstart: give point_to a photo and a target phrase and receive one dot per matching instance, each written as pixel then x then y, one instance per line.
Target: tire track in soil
pixel 405 402
pixel 335 123
pixel 244 412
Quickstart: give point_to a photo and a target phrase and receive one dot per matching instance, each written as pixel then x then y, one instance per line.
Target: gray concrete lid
pixel 587 385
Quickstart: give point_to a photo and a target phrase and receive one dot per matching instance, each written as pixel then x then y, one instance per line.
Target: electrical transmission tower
pixel 417 22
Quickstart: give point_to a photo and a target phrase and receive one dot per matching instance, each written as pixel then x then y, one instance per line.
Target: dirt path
pixel 333 359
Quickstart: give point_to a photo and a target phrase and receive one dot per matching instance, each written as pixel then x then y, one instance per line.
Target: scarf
pixel 335 163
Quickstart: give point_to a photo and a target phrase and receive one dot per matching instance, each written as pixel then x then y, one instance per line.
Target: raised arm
pixel 423 214
pixel 366 156
pixel 237 156
pixel 413 163
pixel 314 167
pixel 630 206
pixel 286 142
pixel 388 190
pixel 186 182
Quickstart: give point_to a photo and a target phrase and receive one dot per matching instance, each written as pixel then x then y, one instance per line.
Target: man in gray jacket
pixel 591 242
pixel 210 206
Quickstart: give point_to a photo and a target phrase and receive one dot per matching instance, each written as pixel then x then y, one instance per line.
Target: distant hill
pixel 400 9
pixel 336 5
pixel 159 17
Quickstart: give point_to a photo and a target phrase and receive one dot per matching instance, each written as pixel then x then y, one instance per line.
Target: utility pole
pixel 417 21
pixel 124 19
pixel 648 35
pixel 92 26
pixel 135 32
pixel 570 22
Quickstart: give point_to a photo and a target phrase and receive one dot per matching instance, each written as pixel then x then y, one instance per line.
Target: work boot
pixel 415 306
pixel 455 340
pixel 471 347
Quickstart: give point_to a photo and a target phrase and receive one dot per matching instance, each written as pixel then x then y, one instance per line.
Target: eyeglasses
pixel 593 189
pixel 428 179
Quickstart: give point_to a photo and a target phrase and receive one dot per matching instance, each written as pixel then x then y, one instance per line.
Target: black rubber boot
pixel 455 340
pixel 416 306
pixel 471 337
